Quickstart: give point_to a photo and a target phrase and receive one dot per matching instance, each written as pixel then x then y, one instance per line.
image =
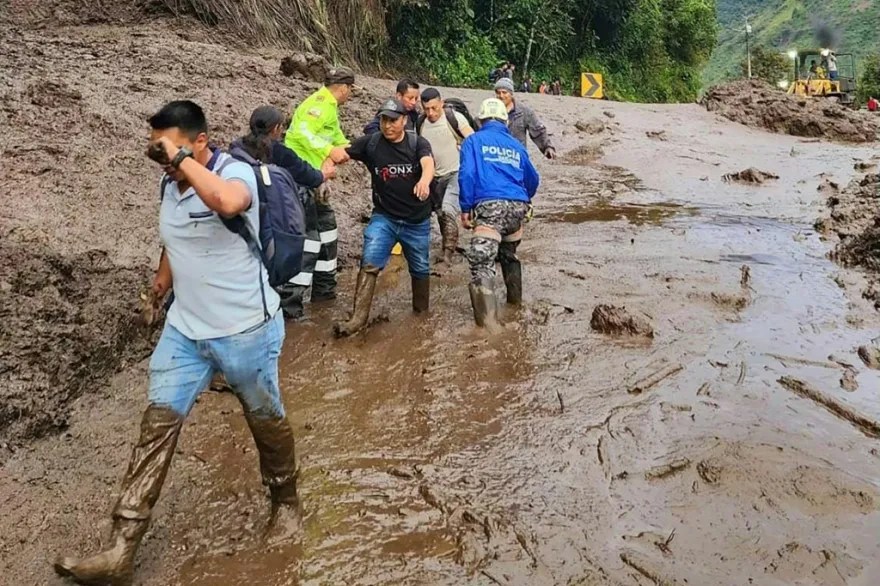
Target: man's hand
pixel 467 221
pixel 322 194
pixel 161 284
pixel 550 153
pixel 328 169
pixel 422 189
pixel 339 155
pixel 162 151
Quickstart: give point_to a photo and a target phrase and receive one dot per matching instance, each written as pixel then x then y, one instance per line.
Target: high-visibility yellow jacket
pixel 314 130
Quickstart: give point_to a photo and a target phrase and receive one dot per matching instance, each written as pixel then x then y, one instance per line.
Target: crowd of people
pixel 527 86
pixel 226 315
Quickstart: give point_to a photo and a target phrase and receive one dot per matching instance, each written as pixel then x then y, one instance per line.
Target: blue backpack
pixel 282 217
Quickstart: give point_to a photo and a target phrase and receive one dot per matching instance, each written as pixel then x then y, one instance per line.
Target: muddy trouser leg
pixel 324 281
pixel 178 373
pixel 449 214
pixel 250 363
pixel 380 235
pixel 511 269
pixel 293 293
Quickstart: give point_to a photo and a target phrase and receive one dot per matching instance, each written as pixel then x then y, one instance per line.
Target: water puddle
pixel 633 213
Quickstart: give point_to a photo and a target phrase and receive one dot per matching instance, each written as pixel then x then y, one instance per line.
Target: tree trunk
pixel 529 46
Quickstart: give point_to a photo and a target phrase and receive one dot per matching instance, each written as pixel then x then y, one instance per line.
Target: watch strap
pixel 180 156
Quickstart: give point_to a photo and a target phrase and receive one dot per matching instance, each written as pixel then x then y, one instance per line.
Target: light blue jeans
pixel 384 231
pixel 180 368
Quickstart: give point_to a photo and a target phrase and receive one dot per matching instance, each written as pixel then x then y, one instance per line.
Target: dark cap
pixel 264 119
pixel 339 75
pixel 392 108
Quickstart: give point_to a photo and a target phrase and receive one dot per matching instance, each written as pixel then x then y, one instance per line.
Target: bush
pixel 869 81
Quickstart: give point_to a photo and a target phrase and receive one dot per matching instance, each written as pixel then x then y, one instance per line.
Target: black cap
pixel 264 119
pixel 392 108
pixel 339 75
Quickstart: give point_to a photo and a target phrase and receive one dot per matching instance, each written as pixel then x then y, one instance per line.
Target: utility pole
pixel 748 46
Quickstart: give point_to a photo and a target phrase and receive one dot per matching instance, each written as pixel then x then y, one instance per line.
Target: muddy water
pixel 431 454
pixel 552 455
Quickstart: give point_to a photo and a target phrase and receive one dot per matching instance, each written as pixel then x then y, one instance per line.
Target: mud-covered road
pixel 722 451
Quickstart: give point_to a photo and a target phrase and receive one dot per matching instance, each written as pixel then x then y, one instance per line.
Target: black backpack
pixel 450 107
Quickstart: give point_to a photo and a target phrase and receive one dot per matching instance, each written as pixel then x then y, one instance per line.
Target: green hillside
pixel 786 24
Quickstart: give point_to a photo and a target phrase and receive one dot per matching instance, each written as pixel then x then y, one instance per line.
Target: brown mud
pixel 429 453
pixel 756 103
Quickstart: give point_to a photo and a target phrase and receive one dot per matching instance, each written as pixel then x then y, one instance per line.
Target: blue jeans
pixel 180 368
pixel 383 232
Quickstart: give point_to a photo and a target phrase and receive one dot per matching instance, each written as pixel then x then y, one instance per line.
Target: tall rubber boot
pixel 363 299
pixel 421 294
pixel 276 446
pixel 511 269
pixel 449 233
pixel 150 459
pixel 485 305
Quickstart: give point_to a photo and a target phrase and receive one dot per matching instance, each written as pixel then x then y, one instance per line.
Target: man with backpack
pixel 522 120
pixel 317 138
pixel 401 167
pixel 407 94
pixel 445 125
pixel 224 319
pixel 497 183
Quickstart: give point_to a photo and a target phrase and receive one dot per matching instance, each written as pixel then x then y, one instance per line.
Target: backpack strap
pixel 163 185
pixel 412 141
pixel 373 143
pixel 419 123
pixel 452 120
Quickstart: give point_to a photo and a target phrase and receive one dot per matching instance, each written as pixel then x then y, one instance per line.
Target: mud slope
pixel 78 233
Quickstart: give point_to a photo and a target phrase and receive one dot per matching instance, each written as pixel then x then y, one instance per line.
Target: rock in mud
pixel 591 126
pixel 584 154
pixel 870 355
pixel 750 175
pixel 617 321
pixel 758 104
pixel 657 135
pixel 848 381
pixel 306 65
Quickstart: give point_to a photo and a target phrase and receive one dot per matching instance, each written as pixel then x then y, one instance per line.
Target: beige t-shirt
pixel 444 143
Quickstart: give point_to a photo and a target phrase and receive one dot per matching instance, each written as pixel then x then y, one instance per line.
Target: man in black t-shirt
pixel 401 167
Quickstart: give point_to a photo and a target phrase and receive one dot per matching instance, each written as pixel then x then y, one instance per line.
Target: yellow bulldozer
pixel 814 75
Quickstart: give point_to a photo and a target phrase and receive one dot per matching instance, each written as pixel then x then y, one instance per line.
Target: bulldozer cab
pixel 813 78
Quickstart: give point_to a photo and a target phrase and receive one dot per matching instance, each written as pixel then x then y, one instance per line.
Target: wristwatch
pixel 182 153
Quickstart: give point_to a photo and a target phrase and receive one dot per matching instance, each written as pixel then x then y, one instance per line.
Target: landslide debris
pixel 855 219
pixel 758 104
pixel 78 236
pixel 617 321
pixel 750 175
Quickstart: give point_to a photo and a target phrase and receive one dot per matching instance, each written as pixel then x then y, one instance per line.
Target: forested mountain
pixel 849 26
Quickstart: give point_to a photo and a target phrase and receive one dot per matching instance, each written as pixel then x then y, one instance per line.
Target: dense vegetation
pixel 648 50
pixel 849 26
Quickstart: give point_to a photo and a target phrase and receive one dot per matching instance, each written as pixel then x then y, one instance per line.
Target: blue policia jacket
pixel 494 165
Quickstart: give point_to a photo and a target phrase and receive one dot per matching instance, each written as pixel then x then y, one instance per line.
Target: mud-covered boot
pixel 449 233
pixel 363 299
pixel 292 301
pixel 160 428
pixel 275 444
pixel 484 304
pixel 511 269
pixel 421 294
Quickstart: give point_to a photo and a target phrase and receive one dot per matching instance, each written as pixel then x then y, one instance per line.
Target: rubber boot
pixel 449 233
pixel 363 299
pixel 160 428
pixel 511 269
pixel 421 294
pixel 276 446
pixel 292 301
pixel 485 305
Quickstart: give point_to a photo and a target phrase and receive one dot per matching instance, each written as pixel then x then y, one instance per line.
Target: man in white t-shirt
pixel 444 129
pixel 224 318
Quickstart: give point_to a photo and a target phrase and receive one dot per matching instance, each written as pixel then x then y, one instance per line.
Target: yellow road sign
pixel 592 86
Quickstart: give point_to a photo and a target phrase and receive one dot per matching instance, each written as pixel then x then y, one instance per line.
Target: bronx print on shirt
pixel 389 172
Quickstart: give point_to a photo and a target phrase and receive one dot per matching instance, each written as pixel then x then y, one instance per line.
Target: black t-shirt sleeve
pixel 358 148
pixel 423 148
